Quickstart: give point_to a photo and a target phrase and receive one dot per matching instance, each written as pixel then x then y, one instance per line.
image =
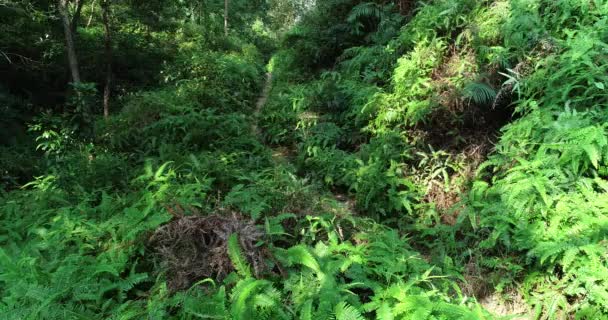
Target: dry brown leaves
pixel 195 247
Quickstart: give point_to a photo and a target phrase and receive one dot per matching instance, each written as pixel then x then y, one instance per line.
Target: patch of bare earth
pixel 510 305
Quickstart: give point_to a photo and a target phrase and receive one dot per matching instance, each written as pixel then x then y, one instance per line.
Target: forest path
pixel 285 155
pixel 279 154
pixel 261 103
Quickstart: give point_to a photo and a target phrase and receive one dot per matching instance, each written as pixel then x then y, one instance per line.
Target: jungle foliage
pixel 295 159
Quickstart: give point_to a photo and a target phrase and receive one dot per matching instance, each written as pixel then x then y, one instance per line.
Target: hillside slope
pixel 286 159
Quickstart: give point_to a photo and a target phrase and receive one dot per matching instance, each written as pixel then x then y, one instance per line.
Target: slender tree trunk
pixel 92 12
pixel 108 55
pixel 76 16
pixel 69 41
pixel 226 17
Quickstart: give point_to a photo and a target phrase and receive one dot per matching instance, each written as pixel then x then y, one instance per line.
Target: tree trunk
pixel 92 12
pixel 76 17
pixel 226 18
pixel 69 41
pixel 108 55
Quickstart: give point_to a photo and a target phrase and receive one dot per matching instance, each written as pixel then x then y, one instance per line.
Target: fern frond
pixel 300 255
pixel 480 93
pixel 365 10
pixel 344 311
pixel 236 257
pixel 244 292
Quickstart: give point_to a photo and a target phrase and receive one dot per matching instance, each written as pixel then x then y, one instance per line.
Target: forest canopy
pixel 302 159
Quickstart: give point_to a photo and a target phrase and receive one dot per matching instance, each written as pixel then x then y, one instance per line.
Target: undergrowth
pixel 478 128
pixel 414 160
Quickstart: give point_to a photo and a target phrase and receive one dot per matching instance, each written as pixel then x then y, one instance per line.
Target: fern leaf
pixel 593 153
pixel 364 10
pixel 344 311
pixel 244 292
pixel 480 93
pixel 384 312
pixel 306 311
pixel 300 255
pixel 236 256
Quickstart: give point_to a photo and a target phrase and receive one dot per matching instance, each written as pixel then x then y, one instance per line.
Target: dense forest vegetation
pixel 301 159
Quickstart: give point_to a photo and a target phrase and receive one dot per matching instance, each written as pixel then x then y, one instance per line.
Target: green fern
pixel 365 10
pixel 480 93
pixel 343 311
pixel 236 256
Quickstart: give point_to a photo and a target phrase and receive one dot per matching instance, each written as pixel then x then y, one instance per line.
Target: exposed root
pixel 192 248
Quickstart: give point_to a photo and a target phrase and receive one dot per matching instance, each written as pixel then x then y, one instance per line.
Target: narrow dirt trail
pixel 283 154
pixel 279 154
pixel 261 103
